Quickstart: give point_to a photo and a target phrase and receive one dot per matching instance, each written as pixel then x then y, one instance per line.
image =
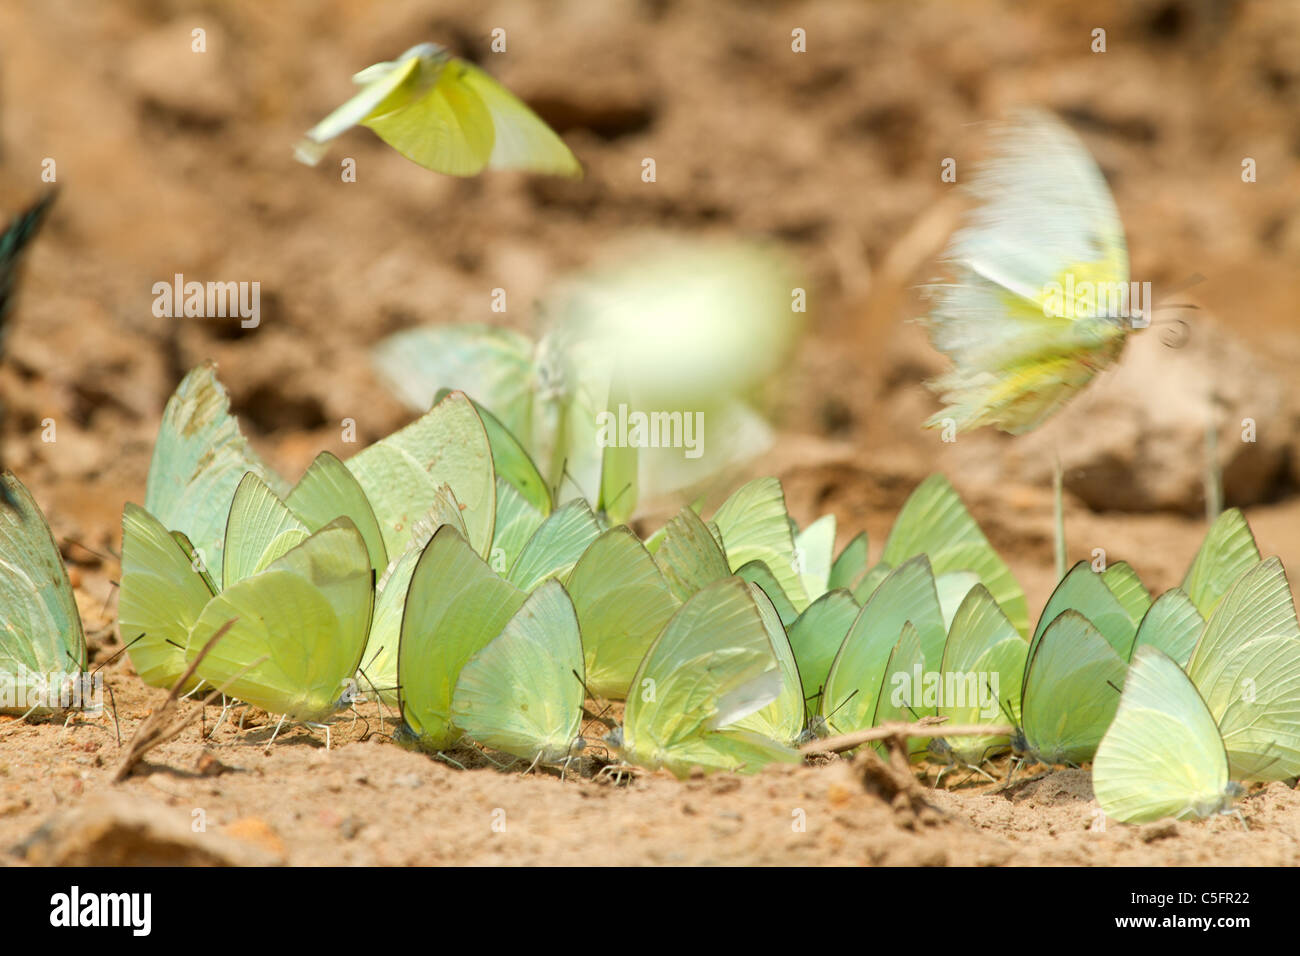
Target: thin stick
pixel 923 728
pixel 154 731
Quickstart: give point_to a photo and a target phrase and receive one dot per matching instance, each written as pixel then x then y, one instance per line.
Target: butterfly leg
pixel 224 707
pixel 276 733
pixel 443 757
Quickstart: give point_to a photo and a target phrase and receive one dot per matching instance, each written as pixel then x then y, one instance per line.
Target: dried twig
pixel 155 730
pixel 927 727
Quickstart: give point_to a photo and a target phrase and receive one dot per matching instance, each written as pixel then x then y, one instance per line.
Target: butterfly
pixel 42 646
pixel 446 115
pixel 1039 298
pixel 1163 755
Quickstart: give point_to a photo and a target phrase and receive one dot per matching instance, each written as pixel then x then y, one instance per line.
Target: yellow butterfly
pixel 1041 299
pixel 445 114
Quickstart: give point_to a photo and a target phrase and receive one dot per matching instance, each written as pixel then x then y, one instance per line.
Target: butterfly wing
pixel 41 632
pixel 1162 756
pixel 522 694
pixel 522 140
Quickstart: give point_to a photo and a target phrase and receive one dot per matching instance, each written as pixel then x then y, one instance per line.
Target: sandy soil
pixel 175 162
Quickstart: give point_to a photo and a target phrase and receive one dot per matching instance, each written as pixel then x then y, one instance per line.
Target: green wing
pixel 814 549
pixel 42 633
pixel 934 521
pixel 900 698
pixel 1162 756
pixel 784 719
pixel 1071 690
pixel 983 665
pixel 522 141
pixel 522 694
pixel 162 596
pixel 513 463
pixel 711 666
pixel 815 638
pixel 198 461
pixel 758 573
pixel 850 564
pixel 952 589
pixel 1172 625
pixel 402 475
pixel 1247 667
pixel 492 365
pixel 260 529
pixel 858 671
pixel 755 526
pixel 517 521
pixel 328 490
pixel 299 627
pixel 555 546
pixel 1228 551
pixel 622 602
pixel 1127 587
pixel 689 556
pixel 455 605
pixel 1083 590
pixel 381 83
pixel 440 123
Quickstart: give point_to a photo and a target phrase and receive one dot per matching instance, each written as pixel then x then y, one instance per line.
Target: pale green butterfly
pixel 1247 667
pixel 688 554
pixel 42 646
pixel 622 601
pixel 1085 591
pixel 523 692
pixel 758 574
pixel 259 529
pixel 403 474
pixel 815 639
pixel 755 526
pixel 198 461
pixel 300 626
pixel 785 718
pixel 516 522
pixel 1038 301
pixel 850 564
pixel 445 114
pixel 857 674
pixel 981 673
pixel 555 546
pixel 1163 755
pixel 379 670
pixel 328 490
pixel 901 695
pixel 711 666
pixel 1227 552
pixel 163 593
pixel 1069 692
pixel 455 605
pixel 934 522
pixel 1171 624
pixel 1123 582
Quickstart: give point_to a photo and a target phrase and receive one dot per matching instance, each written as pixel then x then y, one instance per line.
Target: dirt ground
pixel 175 162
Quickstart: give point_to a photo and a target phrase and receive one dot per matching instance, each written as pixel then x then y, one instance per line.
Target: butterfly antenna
pixel 83 547
pixel 564 473
pixel 117 653
pixel 112 592
pixel 841 704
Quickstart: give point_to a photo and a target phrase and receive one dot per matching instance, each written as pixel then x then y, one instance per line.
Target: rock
pixel 117 830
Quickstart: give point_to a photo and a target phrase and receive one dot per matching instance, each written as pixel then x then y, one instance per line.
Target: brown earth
pixel 171 161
